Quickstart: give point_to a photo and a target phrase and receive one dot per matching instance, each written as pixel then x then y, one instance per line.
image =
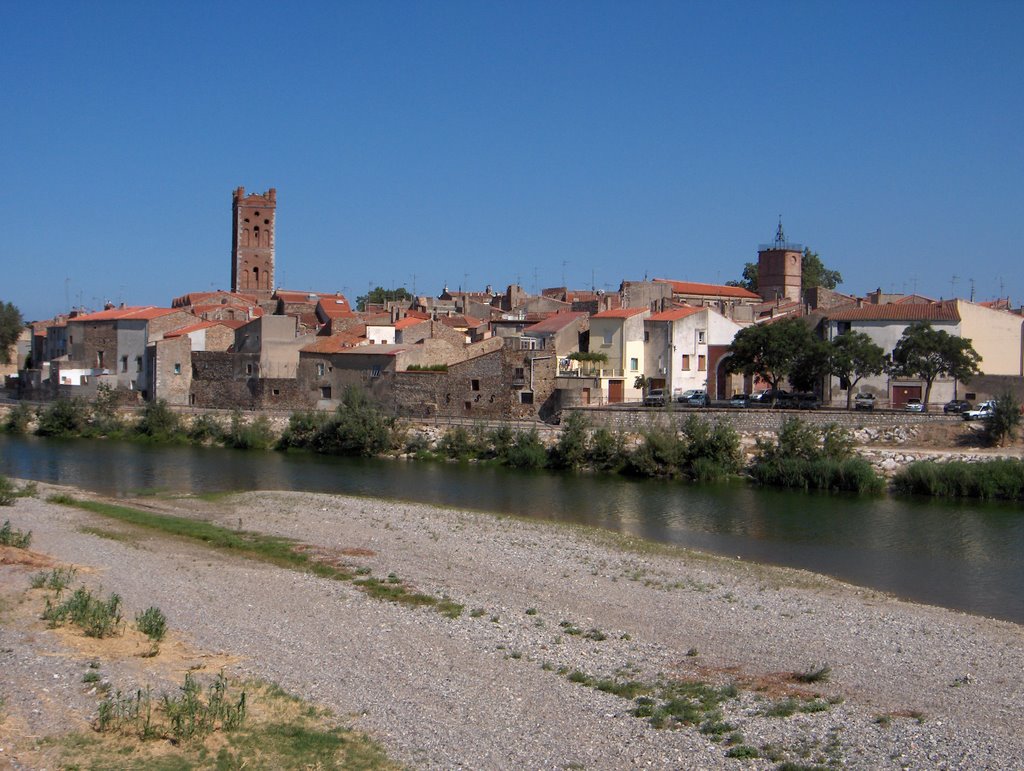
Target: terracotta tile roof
pixel 710 290
pixel 674 314
pixel 461 321
pixel 143 312
pixel 408 321
pixel 192 328
pixel 335 343
pixel 914 299
pixel 619 313
pixel 941 311
pixel 554 323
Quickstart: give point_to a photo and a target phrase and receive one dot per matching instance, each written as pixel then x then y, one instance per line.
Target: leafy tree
pixel 926 353
pixel 853 356
pixel 814 273
pixel 380 295
pixel 811 367
pixel 571 449
pixel 812 270
pixel 771 351
pixel 1005 419
pixel 11 325
pixel 643 383
pixel 749 280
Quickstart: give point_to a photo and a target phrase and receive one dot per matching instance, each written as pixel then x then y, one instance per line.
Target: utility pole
pixel 972 288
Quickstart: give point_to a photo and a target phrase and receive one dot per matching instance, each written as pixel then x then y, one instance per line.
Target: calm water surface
pixel 961 555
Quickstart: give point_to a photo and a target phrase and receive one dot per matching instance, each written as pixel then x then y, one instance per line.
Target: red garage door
pixel 900 394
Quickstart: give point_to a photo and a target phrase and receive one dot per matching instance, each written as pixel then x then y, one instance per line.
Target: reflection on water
pixel 961 555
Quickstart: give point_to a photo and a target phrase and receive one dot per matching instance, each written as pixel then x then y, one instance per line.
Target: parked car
pixel 981 412
pixel 685 396
pixel 805 402
pixel 779 396
pixel 957 406
pixel 700 399
pixel 739 400
pixel 655 398
pixel 914 405
pixel 864 401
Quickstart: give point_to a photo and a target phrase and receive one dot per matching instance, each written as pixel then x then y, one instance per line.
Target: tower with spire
pixel 780 269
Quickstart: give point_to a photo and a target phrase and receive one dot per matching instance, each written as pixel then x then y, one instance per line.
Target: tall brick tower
pixel 252 242
pixel 780 269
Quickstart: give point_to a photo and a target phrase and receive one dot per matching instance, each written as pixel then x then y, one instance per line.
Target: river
pixel 962 555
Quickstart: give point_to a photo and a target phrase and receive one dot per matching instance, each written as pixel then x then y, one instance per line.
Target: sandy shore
pixel 911 686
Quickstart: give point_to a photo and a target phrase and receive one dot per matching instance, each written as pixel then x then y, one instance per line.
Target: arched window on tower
pixel 255 278
pixel 256 236
pixel 245 236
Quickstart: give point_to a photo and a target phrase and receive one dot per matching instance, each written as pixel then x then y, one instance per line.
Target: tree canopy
pixel 11 325
pixel 926 353
pixel 771 351
pixel 380 295
pixel 854 356
pixel 812 271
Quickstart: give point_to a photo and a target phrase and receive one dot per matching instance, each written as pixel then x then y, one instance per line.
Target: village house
pixel 686 349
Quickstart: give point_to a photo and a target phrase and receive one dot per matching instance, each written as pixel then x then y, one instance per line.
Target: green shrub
pixel 254 435
pixel 105 420
pixel 607 451
pixel 205 428
pixel 65 418
pixel 659 454
pixel 302 429
pixel 11 537
pixel 358 427
pixel 159 422
pixel 18 419
pixel 571 450
pixel 1001 426
pixel 527 451
pixel 96 617
pixel 710 452
pixel 457 444
pixel 152 623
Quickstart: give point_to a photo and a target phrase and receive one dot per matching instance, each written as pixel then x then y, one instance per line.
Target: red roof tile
pixel 674 314
pixel 941 311
pixel 143 312
pixel 709 290
pixel 619 313
pixel 408 321
pixel 555 323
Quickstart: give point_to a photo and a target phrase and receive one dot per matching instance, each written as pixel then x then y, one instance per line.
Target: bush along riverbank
pixel 800 455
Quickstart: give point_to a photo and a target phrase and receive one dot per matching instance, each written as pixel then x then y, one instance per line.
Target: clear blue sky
pixel 483 142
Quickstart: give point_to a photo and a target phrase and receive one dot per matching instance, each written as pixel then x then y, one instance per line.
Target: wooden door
pixel 616 389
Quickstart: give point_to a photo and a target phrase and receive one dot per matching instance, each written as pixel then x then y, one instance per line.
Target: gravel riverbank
pixel 911 686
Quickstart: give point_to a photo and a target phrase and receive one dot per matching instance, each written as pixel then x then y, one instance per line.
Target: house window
pixel 608 337
pixel 647 336
pixel 526 397
pixel 248 369
pixel 474 385
pixel 192 399
pixel 275 391
pixel 702 337
pixel 99 359
pixel 842 327
pixel 469 406
pixel 634 365
pixel 325 392
pixel 177 368
pixel 138 364
pixel 520 374
pixel 124 363
pixel 686 361
pixel 320 369
pixel 374 371
pixel 702 363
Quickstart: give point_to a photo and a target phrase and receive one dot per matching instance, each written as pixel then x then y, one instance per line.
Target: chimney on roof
pixel 860 302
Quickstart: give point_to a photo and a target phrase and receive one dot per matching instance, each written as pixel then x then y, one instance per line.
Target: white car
pixel 982 411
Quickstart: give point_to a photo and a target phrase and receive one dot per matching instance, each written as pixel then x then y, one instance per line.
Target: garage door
pixel 901 393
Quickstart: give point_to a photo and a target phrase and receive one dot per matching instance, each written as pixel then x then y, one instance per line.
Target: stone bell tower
pixel 252 242
pixel 780 269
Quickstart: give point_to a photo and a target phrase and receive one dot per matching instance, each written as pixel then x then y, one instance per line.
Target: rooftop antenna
pixel 535 282
pixel 972 288
pixel 67 288
pixel 913 284
pixel 564 263
pixel 413 284
pixel 780 237
pixel 952 285
pixel 1002 286
pixel 593 287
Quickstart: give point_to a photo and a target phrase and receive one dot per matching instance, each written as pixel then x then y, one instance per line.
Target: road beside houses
pixel 554 620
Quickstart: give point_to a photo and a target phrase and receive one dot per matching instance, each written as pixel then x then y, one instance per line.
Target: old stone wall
pixel 754 419
pixel 172 369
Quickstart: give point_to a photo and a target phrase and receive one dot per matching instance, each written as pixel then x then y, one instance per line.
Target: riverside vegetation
pixel 800 456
